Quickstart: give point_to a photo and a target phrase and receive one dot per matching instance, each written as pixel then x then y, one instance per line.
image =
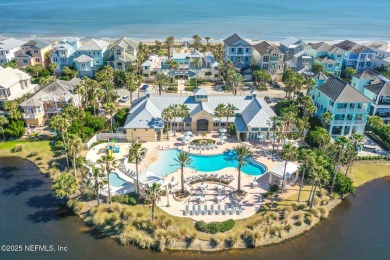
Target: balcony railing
pixel 338 122
pixel 358 122
pixel 30 116
pixel 341 110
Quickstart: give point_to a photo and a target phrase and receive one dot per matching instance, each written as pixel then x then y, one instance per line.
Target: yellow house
pixel 145 124
pixel 33 52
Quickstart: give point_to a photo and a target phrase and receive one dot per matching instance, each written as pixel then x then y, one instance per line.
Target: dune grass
pixel 365 171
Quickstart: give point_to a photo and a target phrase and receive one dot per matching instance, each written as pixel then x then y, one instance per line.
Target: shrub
pixel 32 154
pixel 325 200
pixel 215 227
pixel 171 89
pixel 121 116
pixel 215 241
pixel 298 223
pixel 288 227
pixel 129 199
pixel 189 88
pixel 216 75
pixel 17 148
pixel 301 205
pixel 315 212
pixel 38 158
pixel 308 219
pixel 274 188
pixel 317 201
pixel 344 185
pixel 15 129
pixel 208 73
pixel 324 212
pixel 294 206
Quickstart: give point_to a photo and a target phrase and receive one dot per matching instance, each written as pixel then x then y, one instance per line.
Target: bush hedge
pixel 171 90
pixel 131 198
pixel 189 88
pixel 208 73
pixel 215 227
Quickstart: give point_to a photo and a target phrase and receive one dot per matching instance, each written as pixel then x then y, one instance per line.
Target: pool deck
pixel 250 205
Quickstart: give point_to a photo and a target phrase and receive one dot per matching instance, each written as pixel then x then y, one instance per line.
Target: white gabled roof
pixel 83 58
pixel 200 91
pixel 10 43
pixel 10 76
pixel 94 45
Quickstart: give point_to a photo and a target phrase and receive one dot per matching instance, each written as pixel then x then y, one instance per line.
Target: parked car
pixel 144 87
pixel 267 99
pixel 124 99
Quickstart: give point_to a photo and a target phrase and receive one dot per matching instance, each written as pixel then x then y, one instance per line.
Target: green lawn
pixel 365 171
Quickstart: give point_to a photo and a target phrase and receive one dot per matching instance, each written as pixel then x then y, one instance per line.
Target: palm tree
pixel 108 90
pixel 184 160
pixel 375 121
pixel 111 108
pixel 308 158
pixel 288 119
pixel 136 153
pixel 326 118
pixel 230 110
pixel 97 181
pixel 153 194
pixel 289 153
pixel 273 123
pixel 262 77
pixel 183 112
pixel 242 157
pixel 3 122
pixel 131 85
pixel 338 149
pixel 197 63
pixel 318 175
pixel 167 115
pixel 235 80
pixel 108 163
pixel 74 144
pixel 61 124
pixel 310 83
pixel 349 72
pixel 161 80
pixel 197 41
pixel 356 139
pixel 170 42
pixel 220 112
pixel 52 67
pixel 15 114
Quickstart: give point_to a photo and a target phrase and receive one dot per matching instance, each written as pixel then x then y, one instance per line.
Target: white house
pixel 8 48
pixel 63 53
pixel 382 52
pixel 268 57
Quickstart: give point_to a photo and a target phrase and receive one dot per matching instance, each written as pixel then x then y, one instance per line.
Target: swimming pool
pixel 204 163
pixel 116 181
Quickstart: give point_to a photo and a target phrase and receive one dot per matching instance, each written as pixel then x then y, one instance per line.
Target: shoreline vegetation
pixel 277 221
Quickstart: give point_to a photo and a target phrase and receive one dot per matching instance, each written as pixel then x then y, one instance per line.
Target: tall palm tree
pixel 220 112
pixel 289 153
pixel 318 174
pixel 108 90
pixel 52 67
pixel 3 122
pixel 326 118
pixel 74 144
pixel 338 149
pixel 61 124
pixel 183 112
pixel 310 83
pixel 197 63
pixel 108 163
pixel 288 120
pixel 230 110
pixel 375 121
pixel 15 114
pixel 170 42
pixel 236 80
pixel 176 113
pixel 197 41
pixel 153 194
pixel 184 160
pixel 273 123
pixel 167 115
pixel 97 181
pixel 136 153
pixel 356 139
pixel 161 80
pixel 111 108
pixel 242 158
pixel 308 158
pixel 131 85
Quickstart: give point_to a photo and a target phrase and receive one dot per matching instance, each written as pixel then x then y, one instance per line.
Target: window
pixel 247 50
pixel 37 60
pixel 338 55
pixel 246 58
pixel 118 52
pixel 97 62
pixel 63 60
pixel 330 65
pixel 239 49
pixel 63 52
pixel 55 59
pixel 337 64
pixel 83 65
pixel 265 58
pixel 25 61
pixel 36 51
pixel 263 129
pixel 1 53
pixel 93 53
pixel 98 53
pixel 232 50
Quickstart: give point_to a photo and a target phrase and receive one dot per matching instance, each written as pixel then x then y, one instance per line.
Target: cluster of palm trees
pixel 294 83
pixel 172 112
pixel 223 110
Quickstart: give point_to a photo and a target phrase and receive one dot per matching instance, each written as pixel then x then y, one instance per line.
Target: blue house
pixel 237 50
pixel 356 56
pixel 331 58
pixel 90 57
pixel 349 107
pixel 63 53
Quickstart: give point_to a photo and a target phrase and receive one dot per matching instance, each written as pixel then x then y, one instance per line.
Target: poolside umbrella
pixel 188 133
pixel 222 130
pixel 185 138
pixel 260 137
pixel 222 137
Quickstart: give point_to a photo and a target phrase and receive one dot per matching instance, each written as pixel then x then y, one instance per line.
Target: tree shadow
pixel 43 216
pixel 23 186
pixel 6 172
pixel 44 201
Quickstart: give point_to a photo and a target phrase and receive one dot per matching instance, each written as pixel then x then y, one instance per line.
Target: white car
pixel 124 99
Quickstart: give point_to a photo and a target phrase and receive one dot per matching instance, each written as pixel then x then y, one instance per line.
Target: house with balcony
pixel 238 51
pixel 291 46
pixel 153 64
pixel 349 108
pixel 122 53
pixel 331 58
pixel 382 52
pixel 14 84
pixel 90 57
pixel 33 52
pixel 356 56
pixel 49 101
pixel 269 58
pixel 8 48
pixel 63 53
pixel 379 94
pixel 365 78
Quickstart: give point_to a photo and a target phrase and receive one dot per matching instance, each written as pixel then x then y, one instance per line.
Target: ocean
pixel 218 19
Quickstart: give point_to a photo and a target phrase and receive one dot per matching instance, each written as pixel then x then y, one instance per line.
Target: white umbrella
pixel 222 137
pixel 188 133
pixel 260 137
pixel 222 130
pixel 185 138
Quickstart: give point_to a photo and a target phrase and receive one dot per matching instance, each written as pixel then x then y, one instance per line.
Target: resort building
pixel 33 52
pixel 349 107
pixel 8 48
pixel 90 57
pixel 269 58
pixel 331 58
pixel 382 53
pixel 14 84
pixel 238 51
pixel 63 54
pixel 144 122
pixel 356 56
pixel 49 101
pixel 122 53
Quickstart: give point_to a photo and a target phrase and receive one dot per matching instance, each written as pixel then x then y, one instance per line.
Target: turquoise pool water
pixel 204 163
pixel 115 180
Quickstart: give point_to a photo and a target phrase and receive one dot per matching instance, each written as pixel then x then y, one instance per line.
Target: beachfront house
pixel 237 50
pixel 349 107
pixel 269 58
pixel 33 52
pixel 90 57
pixel 49 101
pixel 8 48
pixel 365 78
pixel 122 53
pixel 356 55
pixel 153 64
pixel 14 84
pixel 330 57
pixel 63 54
pixel 379 94
pixel 144 122
pixel 382 53
pixel 296 53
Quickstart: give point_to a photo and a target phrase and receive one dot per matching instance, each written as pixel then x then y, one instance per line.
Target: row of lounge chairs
pixel 202 176
pixel 269 155
pixel 203 147
pixel 197 210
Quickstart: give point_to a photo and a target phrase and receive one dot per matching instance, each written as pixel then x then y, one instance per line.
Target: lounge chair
pixel 205 211
pixel 219 212
pixel 225 212
pixel 240 209
pixel 212 209
pixel 199 210
pixel 186 212
pixel 193 212
pixel 233 209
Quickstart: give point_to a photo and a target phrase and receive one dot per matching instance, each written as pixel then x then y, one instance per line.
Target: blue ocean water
pixel 218 19
pixel 166 163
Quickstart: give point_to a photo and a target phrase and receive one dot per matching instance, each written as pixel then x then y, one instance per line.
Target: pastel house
pixel 122 53
pixel 33 52
pixel 8 48
pixel 330 57
pixel 63 53
pixel 269 58
pixel 237 50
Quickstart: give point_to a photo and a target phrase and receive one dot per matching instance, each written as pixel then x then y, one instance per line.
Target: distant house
pixel 269 58
pixel 356 56
pixel 90 57
pixel 49 101
pixel 14 84
pixel 8 48
pixel 349 107
pixel 379 94
pixel 382 52
pixel 33 52
pixel 296 54
pixel 152 65
pixel 63 53
pixel 365 78
pixel 331 58
pixel 122 53
pixel 237 50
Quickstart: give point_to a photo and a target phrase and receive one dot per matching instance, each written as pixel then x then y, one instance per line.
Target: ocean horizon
pixel 155 19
